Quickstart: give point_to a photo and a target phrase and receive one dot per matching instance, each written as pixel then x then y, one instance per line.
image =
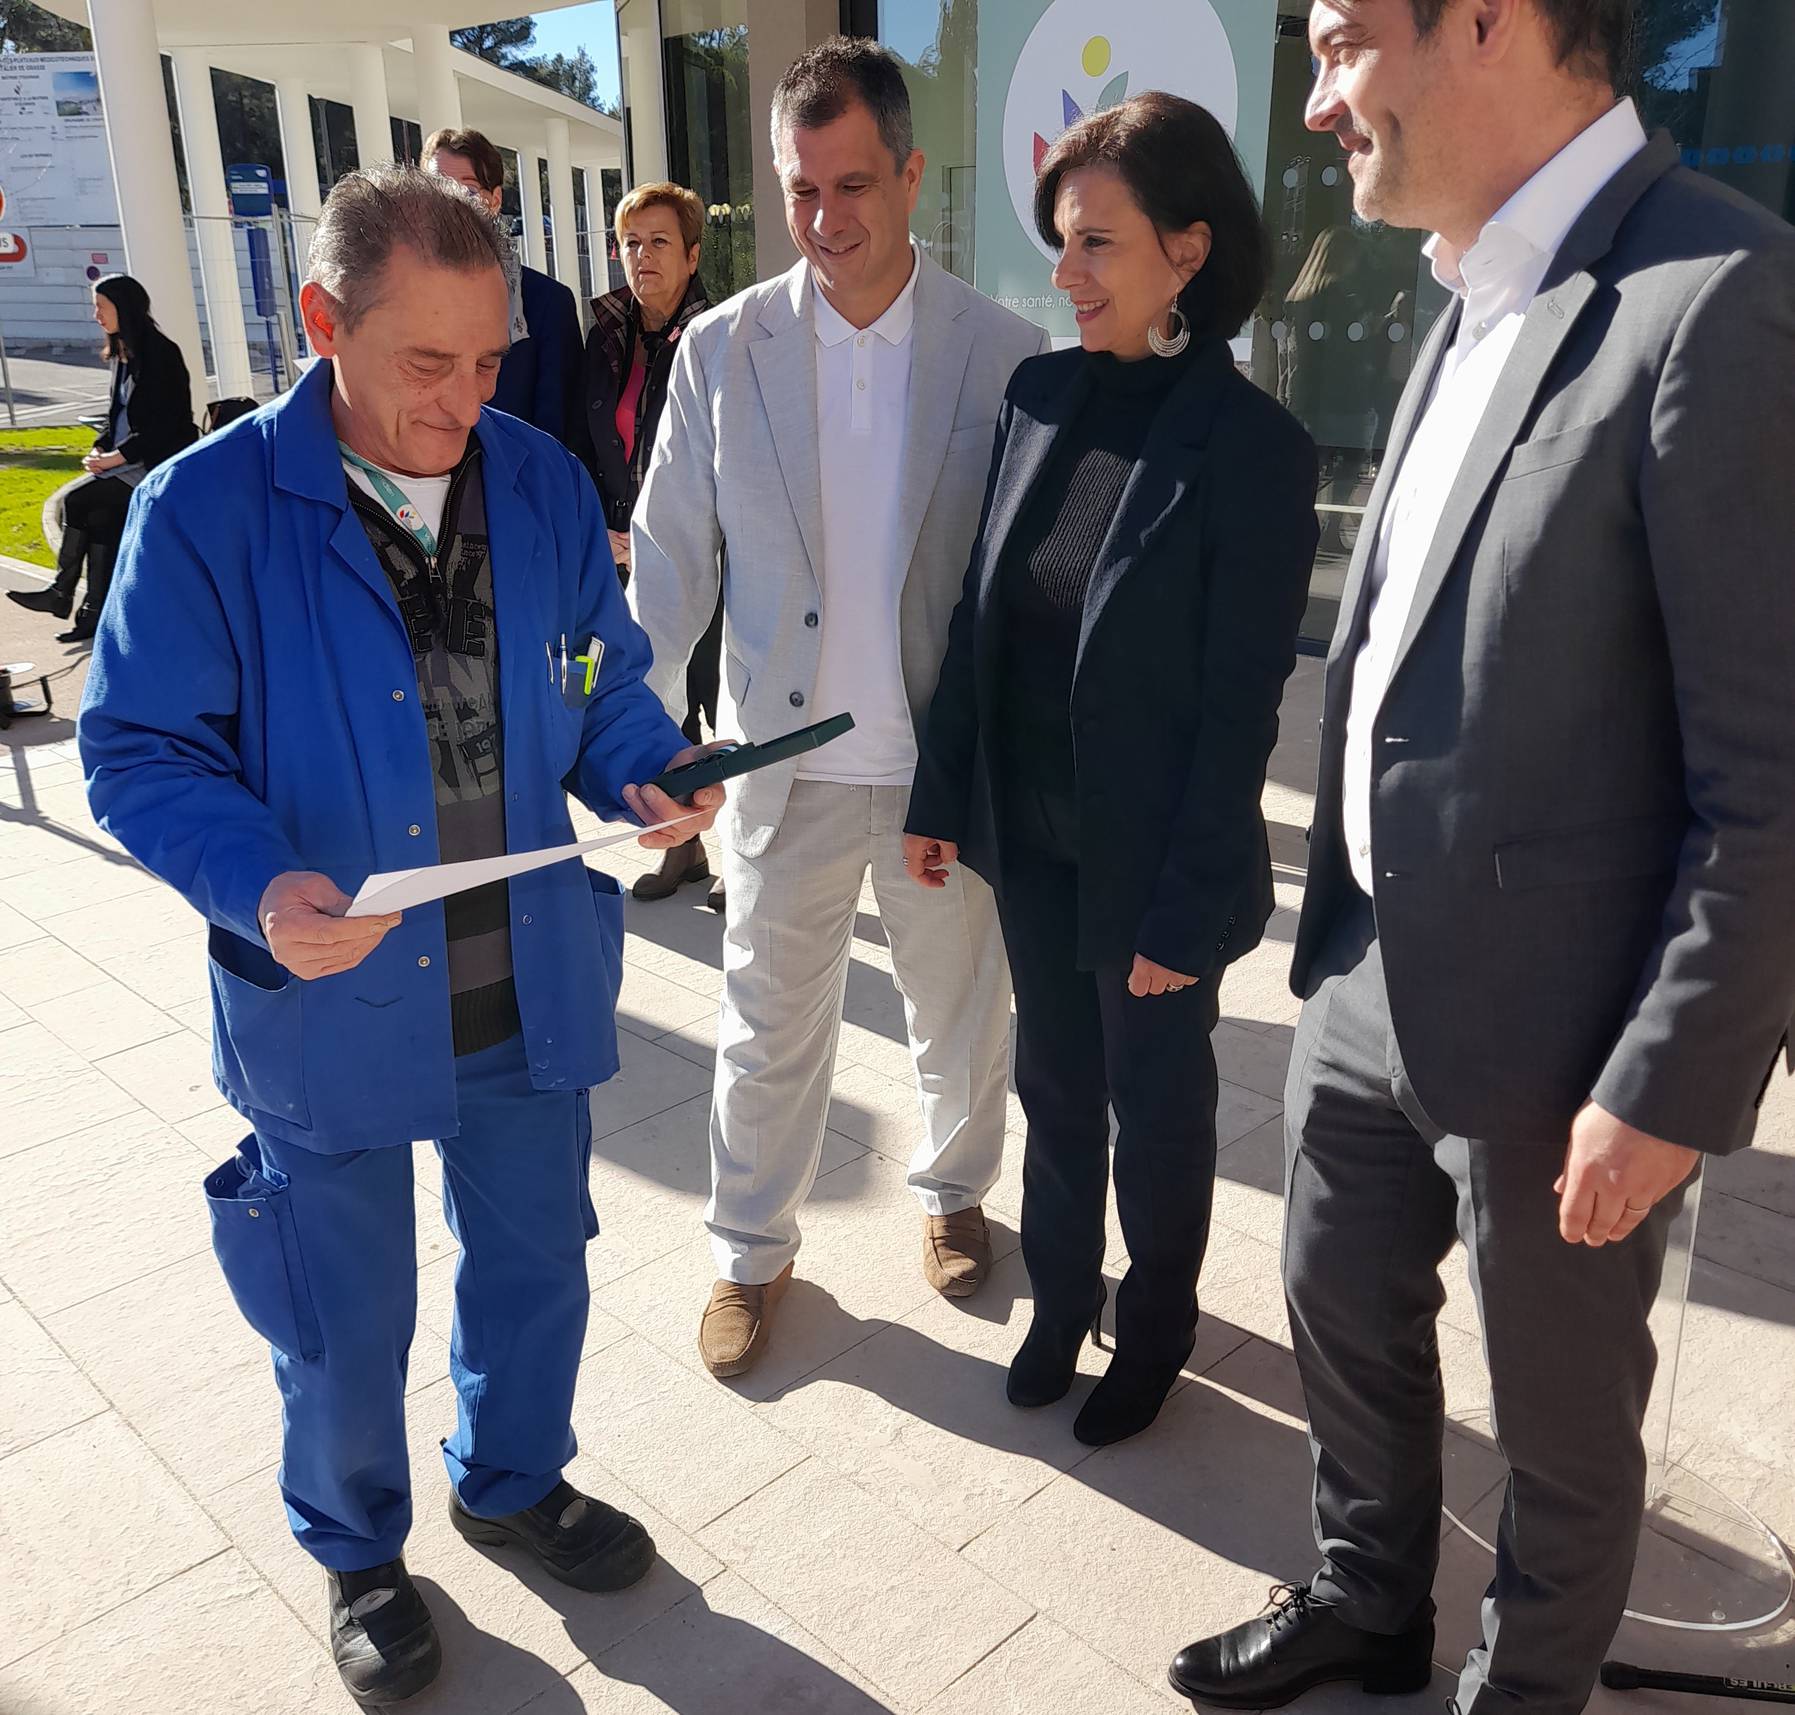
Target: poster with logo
pixel 54 166
pixel 1045 64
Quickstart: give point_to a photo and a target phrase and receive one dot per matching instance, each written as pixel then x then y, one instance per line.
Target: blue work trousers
pixel 320 1253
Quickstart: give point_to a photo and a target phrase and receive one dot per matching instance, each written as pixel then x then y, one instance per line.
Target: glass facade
pixel 704 60
pixel 1349 304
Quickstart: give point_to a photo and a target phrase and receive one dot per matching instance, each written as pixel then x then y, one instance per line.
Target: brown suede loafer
pixel 733 1332
pixel 956 1252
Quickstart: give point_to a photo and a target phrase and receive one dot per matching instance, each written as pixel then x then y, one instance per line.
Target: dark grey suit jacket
pixel 1583 771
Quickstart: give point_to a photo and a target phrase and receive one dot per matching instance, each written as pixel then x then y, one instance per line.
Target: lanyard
pixel 392 497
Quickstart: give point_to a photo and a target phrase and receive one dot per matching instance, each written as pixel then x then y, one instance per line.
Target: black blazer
pixel 539 379
pixel 161 408
pixel 1189 633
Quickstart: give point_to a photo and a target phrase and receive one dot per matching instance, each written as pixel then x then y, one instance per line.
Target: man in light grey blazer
pixel 1547 946
pixel 824 452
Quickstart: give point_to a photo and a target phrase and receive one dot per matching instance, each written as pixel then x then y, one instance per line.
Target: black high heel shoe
pixel 1047 1360
pixel 1125 1401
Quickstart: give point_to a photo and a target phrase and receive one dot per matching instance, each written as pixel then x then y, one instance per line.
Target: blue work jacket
pixel 252 708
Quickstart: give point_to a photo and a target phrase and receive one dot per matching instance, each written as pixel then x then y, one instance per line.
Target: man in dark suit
pixel 539 379
pixel 1546 946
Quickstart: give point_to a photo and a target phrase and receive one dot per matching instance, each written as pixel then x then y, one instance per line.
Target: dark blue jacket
pixel 1189 632
pixel 252 709
pixel 539 380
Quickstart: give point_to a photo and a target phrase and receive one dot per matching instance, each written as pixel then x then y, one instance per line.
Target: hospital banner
pixel 55 169
pixel 1044 64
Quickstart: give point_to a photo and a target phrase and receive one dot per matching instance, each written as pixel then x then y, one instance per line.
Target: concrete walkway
pixel 862 1525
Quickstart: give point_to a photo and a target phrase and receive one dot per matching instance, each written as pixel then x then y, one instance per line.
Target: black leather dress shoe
pixel 381 1635
pixel 573 1537
pixel 1298 1644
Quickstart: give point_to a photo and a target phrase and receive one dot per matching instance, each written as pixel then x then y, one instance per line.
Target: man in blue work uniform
pixel 371 627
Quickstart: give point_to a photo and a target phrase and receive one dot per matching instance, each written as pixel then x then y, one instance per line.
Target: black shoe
pixel 679 864
pixel 51 600
pixel 1299 1644
pixel 1047 1360
pixel 717 899
pixel 87 622
pixel 574 1538
pixel 381 1634
pixel 1125 1401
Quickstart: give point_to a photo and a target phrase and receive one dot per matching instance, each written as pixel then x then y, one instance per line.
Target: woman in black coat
pixel 1098 742
pixel 629 359
pixel 150 419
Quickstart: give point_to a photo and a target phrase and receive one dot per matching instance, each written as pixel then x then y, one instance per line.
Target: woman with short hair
pixel 1097 745
pixel 149 419
pixel 629 358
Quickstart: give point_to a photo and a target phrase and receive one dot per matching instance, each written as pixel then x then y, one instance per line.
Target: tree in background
pixel 506 43
pixel 26 28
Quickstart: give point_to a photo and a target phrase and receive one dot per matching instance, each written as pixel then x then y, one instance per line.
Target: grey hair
pixel 368 214
pixel 819 86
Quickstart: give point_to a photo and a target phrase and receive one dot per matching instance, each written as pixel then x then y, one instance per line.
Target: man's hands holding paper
pixel 649 804
pixel 302 919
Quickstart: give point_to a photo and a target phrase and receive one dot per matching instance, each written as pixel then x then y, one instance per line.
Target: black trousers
pixel 97 508
pixel 1084 1044
pixel 704 674
pixel 1375 1195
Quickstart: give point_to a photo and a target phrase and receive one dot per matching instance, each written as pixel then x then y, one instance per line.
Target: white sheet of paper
pixel 400 889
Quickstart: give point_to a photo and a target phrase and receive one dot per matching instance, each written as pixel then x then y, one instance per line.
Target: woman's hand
pixel 928 861
pixel 619 546
pixel 649 804
pixel 1148 978
pixel 96 464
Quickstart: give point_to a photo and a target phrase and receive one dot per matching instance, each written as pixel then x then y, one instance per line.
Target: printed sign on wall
pixel 54 166
pixel 1048 63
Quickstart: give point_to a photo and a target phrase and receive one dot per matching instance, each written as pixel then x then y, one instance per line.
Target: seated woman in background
pixel 150 419
pixel 629 357
pixel 1098 742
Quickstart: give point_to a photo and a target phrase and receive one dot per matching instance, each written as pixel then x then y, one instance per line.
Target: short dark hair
pixel 820 84
pixel 1595 36
pixel 481 152
pixel 370 213
pixel 1180 167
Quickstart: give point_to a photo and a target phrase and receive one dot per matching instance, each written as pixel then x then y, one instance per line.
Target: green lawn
pixel 34 463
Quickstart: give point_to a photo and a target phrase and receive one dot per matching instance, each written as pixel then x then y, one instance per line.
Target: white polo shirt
pixel 863 411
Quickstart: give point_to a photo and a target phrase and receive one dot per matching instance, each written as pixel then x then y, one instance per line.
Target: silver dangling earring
pixel 1165 345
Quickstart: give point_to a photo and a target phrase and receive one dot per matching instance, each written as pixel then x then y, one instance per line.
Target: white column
pixel 211 219
pixel 439 95
pixel 304 198
pixel 560 197
pixel 149 193
pixel 367 95
pixel 529 193
pixel 639 62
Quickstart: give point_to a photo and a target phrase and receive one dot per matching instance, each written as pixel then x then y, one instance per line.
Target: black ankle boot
pixel 1125 1401
pixel 1047 1360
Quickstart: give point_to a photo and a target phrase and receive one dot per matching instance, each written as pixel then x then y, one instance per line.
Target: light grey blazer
pixel 1583 771
pixel 733 494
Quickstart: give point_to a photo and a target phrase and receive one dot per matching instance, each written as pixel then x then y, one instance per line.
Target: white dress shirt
pixel 862 410
pixel 1497 280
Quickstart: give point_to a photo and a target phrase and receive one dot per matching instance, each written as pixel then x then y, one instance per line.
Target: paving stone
pixel 42 1393
pixel 42 893
pixel 166 976
pixel 90 1212
pixel 650 1005
pixel 44 969
pixel 105 1019
pixel 63 1560
pixel 690 1448
pixel 12 1014
pixel 1256 989
pixel 47 1091
pixel 215 1638
pixel 16 928
pixel 1045 1668
pixel 171 1076
pixel 216 1133
pixel 509 1631
pixel 891 1601
pixel 649 1081
pixel 101 931
pixel 725 1650
pixel 1252 1059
